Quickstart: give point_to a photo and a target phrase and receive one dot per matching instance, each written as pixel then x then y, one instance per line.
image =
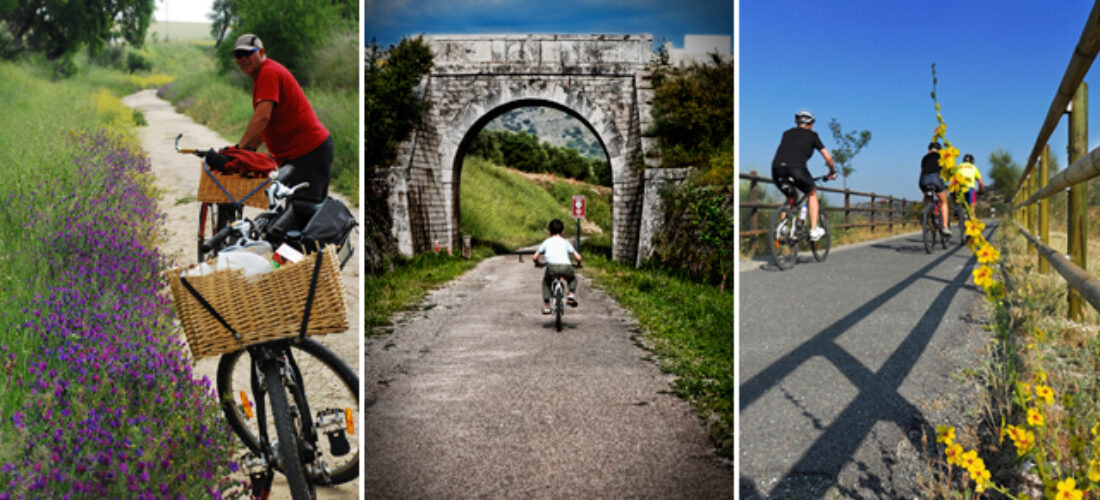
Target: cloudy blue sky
pixel 388 20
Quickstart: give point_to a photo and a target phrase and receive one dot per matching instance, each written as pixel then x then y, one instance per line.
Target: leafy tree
pixel 1004 172
pixel 692 110
pixel 848 146
pixel 290 30
pixel 222 18
pixel 61 27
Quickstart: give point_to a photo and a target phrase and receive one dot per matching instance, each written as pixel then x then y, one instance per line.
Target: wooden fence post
pixel 890 214
pixel 753 225
pixel 1044 206
pixel 1078 194
pixel 847 207
pixel 872 212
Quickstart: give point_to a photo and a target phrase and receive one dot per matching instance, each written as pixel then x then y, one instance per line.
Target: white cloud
pixel 186 11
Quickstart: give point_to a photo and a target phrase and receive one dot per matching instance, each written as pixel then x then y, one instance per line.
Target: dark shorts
pixel 315 167
pixel 932 182
pixel 798 173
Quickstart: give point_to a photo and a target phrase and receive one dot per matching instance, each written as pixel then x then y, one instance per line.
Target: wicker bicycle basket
pixel 218 187
pixel 260 308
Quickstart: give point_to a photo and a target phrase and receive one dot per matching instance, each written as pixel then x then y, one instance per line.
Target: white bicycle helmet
pixel 803 117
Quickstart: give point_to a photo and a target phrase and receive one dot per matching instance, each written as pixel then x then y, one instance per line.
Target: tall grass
pixel 97 397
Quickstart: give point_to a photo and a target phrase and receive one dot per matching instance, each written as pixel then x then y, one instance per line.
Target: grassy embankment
pixel 97 393
pixel 223 102
pixel 688 326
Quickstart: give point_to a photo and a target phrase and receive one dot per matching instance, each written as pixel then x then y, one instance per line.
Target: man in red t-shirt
pixel 283 119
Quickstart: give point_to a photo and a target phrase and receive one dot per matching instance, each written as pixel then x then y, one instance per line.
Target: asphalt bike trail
pixel 475 395
pixel 177 178
pixel 842 363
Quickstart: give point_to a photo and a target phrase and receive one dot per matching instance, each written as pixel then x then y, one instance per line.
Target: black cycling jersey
pixel 797 146
pixel 930 164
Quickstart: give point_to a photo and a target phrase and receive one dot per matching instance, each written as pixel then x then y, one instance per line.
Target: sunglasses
pixel 244 53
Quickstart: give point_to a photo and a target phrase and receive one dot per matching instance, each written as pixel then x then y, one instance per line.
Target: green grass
pixel 409 282
pixel 163 31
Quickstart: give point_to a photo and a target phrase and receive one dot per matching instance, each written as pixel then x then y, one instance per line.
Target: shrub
pixel 138 61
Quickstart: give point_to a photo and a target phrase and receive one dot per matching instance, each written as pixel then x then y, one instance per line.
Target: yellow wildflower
pixel 1096 429
pixel 1023 389
pixel 1045 393
pixel 987 254
pixel 974 227
pixel 1035 418
pixel 1067 490
pixel 976 466
pixel 945 434
pixel 1094 470
pixel 1024 441
pixel 953 452
pixel 983 276
pixel 981 479
pixel 1040 376
pixel 969 459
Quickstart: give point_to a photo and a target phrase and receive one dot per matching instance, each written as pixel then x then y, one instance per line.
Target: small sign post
pixel 578 213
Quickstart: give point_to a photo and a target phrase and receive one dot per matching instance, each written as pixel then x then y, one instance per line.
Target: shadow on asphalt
pixel 878 399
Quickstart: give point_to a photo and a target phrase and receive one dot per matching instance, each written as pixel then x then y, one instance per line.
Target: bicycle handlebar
pixel 217 240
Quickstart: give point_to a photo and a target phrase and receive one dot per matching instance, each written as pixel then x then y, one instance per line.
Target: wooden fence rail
pixel 1036 186
pixel 889 214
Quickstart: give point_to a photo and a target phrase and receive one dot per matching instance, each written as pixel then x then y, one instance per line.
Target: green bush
pixel 138 61
pixel 290 30
pixel 330 66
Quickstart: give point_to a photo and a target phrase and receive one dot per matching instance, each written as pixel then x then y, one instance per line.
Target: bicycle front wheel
pixel 820 248
pixel 288 426
pixel 928 233
pixel 330 386
pixel 782 238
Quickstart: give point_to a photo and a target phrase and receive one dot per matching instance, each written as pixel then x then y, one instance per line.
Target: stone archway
pixel 599 79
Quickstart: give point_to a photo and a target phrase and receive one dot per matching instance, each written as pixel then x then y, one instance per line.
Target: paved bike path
pixel 476 396
pixel 841 361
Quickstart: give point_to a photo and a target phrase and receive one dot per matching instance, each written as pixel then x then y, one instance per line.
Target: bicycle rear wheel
pixel 288 427
pixel 332 389
pixel 928 233
pixel 212 218
pixel 782 240
pixel 963 217
pixel 820 248
pixel 559 304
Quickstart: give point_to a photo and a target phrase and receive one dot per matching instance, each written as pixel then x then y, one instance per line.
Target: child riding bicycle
pixel 556 251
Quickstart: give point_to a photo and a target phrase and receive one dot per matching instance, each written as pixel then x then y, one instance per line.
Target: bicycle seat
pixel 787 187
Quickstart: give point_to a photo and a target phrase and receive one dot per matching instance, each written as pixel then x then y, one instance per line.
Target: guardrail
pixel 1038 187
pixel 891 215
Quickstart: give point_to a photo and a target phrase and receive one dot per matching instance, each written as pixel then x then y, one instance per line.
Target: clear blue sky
pixel 868 63
pixel 389 20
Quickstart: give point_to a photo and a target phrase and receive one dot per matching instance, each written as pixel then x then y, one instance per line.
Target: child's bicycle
pixel 557 294
pixel 789 228
pixel 312 394
pixel 931 222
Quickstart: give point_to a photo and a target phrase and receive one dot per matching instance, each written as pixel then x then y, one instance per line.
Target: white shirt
pixel 557 250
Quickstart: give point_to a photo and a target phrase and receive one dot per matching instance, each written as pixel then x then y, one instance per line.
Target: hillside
pixel 553 126
pixel 165 31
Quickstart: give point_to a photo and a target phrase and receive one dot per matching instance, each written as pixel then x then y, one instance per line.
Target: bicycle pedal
pixel 338 443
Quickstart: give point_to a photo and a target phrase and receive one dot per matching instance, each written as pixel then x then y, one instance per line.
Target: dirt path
pixel 476 396
pixel 178 179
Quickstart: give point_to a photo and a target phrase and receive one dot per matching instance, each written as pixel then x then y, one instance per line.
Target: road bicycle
pixel 789 229
pixel 931 222
pixel 312 393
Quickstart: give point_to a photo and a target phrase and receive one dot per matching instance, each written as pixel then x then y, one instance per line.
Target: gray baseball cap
pixel 248 41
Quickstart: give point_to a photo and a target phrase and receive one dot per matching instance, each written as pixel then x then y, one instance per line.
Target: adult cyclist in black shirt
pixel 797 146
pixel 930 180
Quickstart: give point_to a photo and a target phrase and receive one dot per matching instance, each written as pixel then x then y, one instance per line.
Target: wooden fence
pixel 1036 186
pixel 887 215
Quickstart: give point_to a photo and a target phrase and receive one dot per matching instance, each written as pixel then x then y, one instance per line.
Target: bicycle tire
pixel 319 364
pixel 963 217
pixel 212 218
pixel 820 248
pixel 928 234
pixel 286 427
pixel 783 247
pixel 559 304
pixel 939 224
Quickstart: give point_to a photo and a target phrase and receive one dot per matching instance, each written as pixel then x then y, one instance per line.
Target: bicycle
pixel 785 237
pixel 213 217
pixel 931 222
pixel 558 287
pixel 323 391
pixel 962 215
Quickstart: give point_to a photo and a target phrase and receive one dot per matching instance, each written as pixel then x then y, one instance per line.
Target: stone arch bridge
pixel 598 79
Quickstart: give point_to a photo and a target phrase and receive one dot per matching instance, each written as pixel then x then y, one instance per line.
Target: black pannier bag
pixel 307 225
